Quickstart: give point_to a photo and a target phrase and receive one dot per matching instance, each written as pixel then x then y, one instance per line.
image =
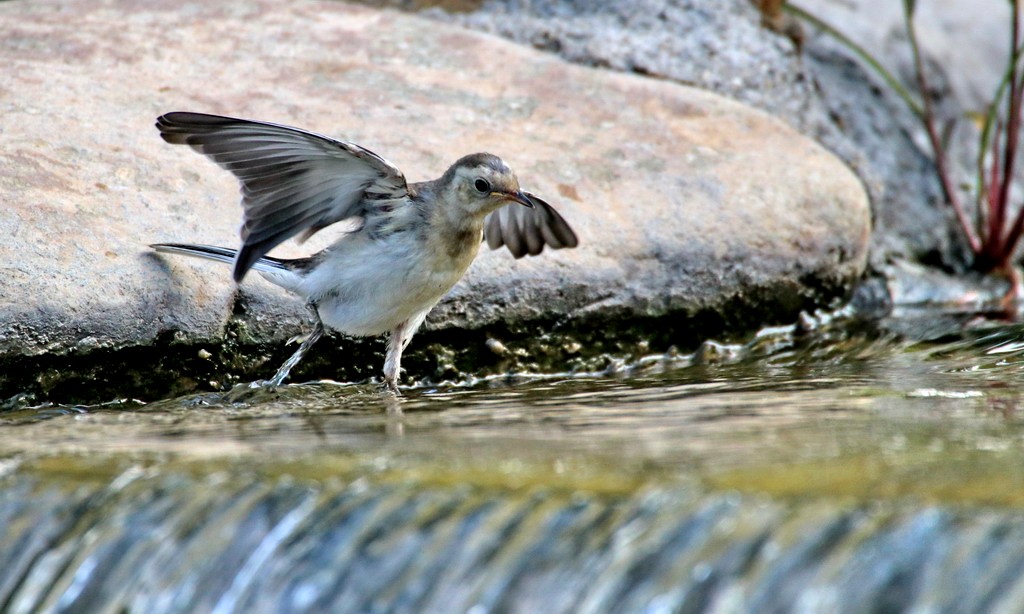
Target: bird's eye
pixel 482 186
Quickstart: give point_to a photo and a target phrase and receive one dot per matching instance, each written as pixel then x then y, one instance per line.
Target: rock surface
pixel 962 47
pixel 684 201
pixel 822 90
pixel 970 44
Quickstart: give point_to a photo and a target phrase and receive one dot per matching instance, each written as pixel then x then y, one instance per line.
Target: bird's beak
pixel 518 196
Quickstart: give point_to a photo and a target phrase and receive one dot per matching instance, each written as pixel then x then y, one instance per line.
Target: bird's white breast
pixel 368 287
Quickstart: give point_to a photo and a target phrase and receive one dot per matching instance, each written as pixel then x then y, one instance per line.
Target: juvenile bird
pixel 413 242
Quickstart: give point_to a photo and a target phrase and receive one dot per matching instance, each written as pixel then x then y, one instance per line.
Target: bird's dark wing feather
pixel 526 231
pixel 293 181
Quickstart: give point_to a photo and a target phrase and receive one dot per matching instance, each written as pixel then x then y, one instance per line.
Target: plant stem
pixel 991 118
pixel 1007 243
pixel 860 52
pixel 941 164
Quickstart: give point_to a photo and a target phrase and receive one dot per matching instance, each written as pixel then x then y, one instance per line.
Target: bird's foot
pixel 246 392
pixel 300 338
pixel 390 386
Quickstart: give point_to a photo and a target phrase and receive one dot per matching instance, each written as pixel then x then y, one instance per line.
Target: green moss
pixel 565 476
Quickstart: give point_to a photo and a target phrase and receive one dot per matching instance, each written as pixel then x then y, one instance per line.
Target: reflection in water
pixel 394 416
pixel 844 469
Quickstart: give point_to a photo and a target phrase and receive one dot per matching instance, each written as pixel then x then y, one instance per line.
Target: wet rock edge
pixel 169 367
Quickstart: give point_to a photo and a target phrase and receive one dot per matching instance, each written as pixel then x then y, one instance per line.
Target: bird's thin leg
pixel 314 336
pixel 397 340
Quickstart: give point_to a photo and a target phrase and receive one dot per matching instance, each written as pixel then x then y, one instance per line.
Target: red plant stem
pixel 941 165
pixel 988 200
pixel 992 187
pixel 1006 243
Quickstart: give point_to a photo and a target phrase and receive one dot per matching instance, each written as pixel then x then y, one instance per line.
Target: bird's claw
pixel 300 338
pixel 241 393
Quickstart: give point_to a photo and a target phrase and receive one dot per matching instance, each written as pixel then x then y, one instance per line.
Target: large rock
pixel 821 90
pixel 684 201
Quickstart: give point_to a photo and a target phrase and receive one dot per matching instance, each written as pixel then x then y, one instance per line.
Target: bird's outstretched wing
pixel 527 230
pixel 293 181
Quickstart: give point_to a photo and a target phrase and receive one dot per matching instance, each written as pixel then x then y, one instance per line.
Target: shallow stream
pixel 853 467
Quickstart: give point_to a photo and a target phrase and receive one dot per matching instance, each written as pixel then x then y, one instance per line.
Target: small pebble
pixel 496 346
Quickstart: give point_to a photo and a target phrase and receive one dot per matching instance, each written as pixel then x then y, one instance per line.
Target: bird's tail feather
pixel 275 269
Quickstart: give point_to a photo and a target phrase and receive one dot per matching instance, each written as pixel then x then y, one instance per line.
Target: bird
pixel 411 242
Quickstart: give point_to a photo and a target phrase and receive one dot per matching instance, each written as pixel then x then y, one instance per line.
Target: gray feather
pixel 292 181
pixel 526 231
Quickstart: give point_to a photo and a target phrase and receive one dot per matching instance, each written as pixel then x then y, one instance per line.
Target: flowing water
pixel 853 467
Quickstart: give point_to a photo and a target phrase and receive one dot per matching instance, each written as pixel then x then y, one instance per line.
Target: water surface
pixel 799 468
pixel 845 395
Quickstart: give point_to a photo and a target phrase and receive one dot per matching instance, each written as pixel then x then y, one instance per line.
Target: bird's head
pixel 481 183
